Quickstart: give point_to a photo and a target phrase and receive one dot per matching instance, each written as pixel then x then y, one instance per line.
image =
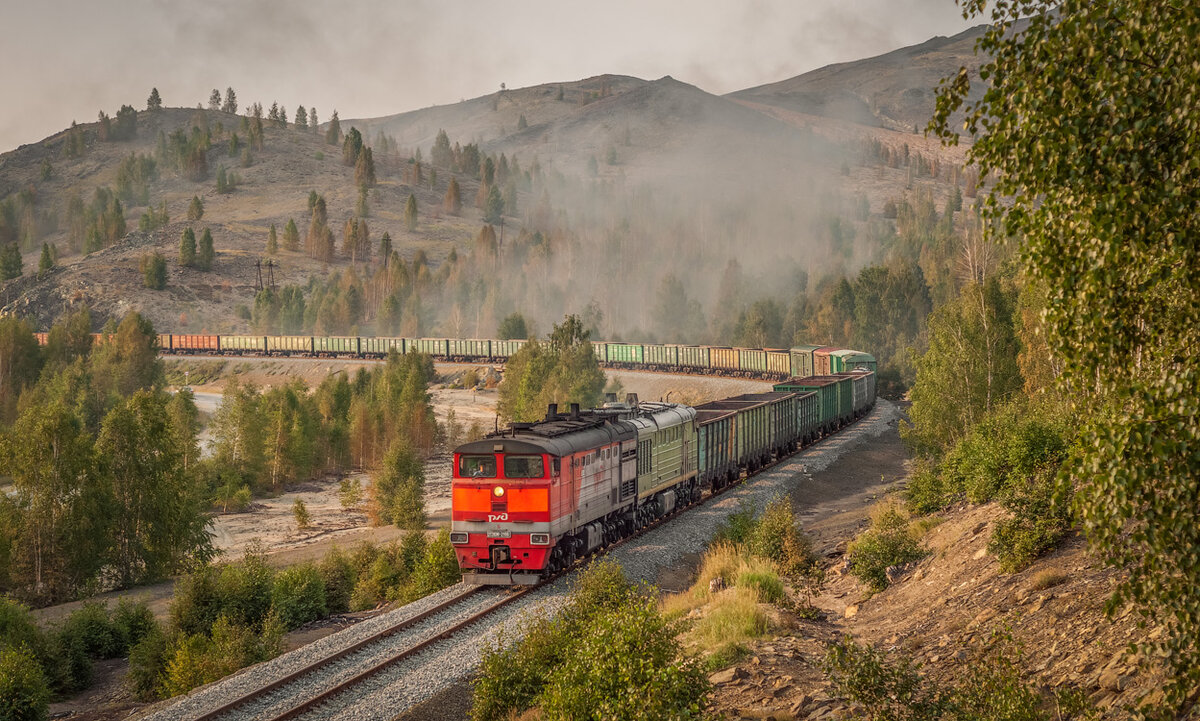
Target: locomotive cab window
pixel 477 466
pixel 523 467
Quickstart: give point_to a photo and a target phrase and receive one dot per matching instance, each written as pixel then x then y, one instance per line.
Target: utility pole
pixel 258 284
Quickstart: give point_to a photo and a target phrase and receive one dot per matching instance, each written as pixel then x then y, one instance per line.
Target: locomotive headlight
pixel 539 539
pixel 498 491
pixel 458 537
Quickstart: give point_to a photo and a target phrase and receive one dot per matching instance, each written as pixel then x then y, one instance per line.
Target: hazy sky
pixel 64 60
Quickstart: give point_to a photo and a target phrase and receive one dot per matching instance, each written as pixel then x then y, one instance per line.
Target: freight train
pixel 762 363
pixel 526 502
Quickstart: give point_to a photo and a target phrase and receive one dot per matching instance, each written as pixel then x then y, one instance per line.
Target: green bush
pixel 886 688
pixel 134 621
pixel 148 660
pixel 737 526
pixel 1003 449
pixel 337 573
pixel 197 601
pixel 438 567
pixel 888 542
pixel 926 493
pixel 72 671
pixel 65 665
pixel 245 589
pixel 24 695
pixel 1041 517
pixel 776 536
pixel 626 665
pixel 298 596
pixel 201 659
pixel 90 627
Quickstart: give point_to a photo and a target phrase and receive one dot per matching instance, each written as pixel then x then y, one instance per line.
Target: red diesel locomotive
pixel 532 499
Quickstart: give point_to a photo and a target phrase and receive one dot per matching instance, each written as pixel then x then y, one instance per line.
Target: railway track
pixel 323 680
pixel 341 683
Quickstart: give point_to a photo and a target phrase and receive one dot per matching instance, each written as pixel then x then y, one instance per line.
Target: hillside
pixel 894 90
pixel 611 176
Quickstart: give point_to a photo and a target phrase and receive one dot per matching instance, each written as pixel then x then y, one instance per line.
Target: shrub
pixel 737 526
pixel 926 493
pixel 887 689
pixel 148 665
pixel 24 695
pixel 298 596
pixel 245 589
pixel 337 573
pixel 777 536
pixel 888 542
pixel 73 669
pixel 1040 519
pixel 438 567
pixel 197 601
pixel 1003 449
pixel 90 627
pixel 201 659
pixel 627 664
pixel 734 617
pixel 133 621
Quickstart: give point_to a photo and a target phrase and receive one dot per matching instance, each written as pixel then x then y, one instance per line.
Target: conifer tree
pixel 333 135
pixel 313 124
pixel 154 102
pixel 10 261
pixel 214 100
pixel 301 118
pixel 231 103
pixel 361 208
pixel 441 155
pixel 364 168
pixel 46 262
pixel 222 180
pixel 291 236
pixel 272 241
pixel 154 270
pixel 452 203
pixel 195 209
pixel 410 213
pixel 204 256
pixel 351 148
pixel 493 209
pixel 385 247
pixel 350 239
pixel 187 248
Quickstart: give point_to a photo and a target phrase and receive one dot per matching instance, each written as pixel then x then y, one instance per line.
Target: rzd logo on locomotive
pixel 497 517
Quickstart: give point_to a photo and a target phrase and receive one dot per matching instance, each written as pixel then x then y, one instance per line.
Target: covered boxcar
pixel 802 360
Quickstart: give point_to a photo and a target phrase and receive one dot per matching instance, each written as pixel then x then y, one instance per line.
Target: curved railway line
pixel 340 679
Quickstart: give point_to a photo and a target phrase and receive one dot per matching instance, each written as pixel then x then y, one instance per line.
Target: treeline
pixel 98 454
pixel 265 440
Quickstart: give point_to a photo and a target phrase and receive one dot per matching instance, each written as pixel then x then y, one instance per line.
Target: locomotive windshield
pixel 477 466
pixel 523 467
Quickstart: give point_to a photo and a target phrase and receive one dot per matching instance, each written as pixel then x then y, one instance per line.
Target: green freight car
pixel 716 442
pixel 827 402
pixel 724 359
pixel 752 431
pixel 504 349
pixel 243 344
pixel 625 354
pixel 335 345
pixel 779 363
pixel 802 360
pixel 380 347
pixel 290 345
pixel 842 361
pixel 783 427
pixel 429 346
pixel 661 357
pixel 694 357
pixel 752 361
pixel 468 349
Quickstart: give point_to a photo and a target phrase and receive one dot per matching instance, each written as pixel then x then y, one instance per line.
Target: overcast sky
pixel 64 60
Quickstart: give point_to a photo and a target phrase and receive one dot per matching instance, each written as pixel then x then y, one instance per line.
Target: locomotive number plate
pixel 499 534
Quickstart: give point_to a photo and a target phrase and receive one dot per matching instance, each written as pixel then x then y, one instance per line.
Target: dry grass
pixel 1047 579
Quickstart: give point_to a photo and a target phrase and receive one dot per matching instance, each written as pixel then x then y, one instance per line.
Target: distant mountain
pixel 895 90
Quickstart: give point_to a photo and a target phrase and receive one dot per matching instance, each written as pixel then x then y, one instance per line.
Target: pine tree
pixel 10 261
pixel 350 239
pixel 222 180
pixel 300 511
pixel 364 168
pixel 46 262
pixel 522 123
pixel 351 148
pixel 301 118
pixel 154 270
pixel 154 102
pixel 333 135
pixel 291 236
pixel 204 256
pixel 187 248
pixel 214 100
pixel 493 209
pixel 452 203
pixel 272 241
pixel 361 208
pixel 312 120
pixel 231 103
pixel 385 248
pixel 411 212
pixel 195 209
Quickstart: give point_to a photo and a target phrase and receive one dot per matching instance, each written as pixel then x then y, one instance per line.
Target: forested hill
pixel 619 199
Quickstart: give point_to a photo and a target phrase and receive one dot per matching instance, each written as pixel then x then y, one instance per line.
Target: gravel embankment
pixel 419 678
